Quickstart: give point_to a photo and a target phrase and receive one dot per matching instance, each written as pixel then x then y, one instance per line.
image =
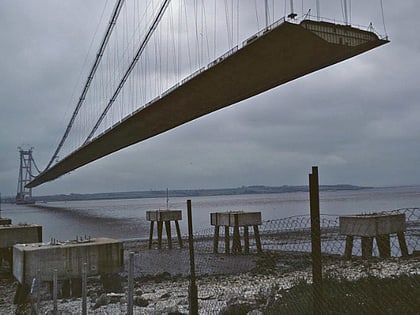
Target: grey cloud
pixel 357 120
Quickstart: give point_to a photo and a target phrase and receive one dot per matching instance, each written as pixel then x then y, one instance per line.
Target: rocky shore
pixel 244 284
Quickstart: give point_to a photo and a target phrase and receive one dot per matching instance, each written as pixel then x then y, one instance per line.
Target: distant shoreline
pixel 244 190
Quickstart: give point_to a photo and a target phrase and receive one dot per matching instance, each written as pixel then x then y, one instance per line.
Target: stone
pixel 165 295
pixel 101 301
pixel 138 292
pixel 115 297
pixel 235 309
pixel 139 301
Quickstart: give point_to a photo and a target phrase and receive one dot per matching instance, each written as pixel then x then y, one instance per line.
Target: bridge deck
pixel 276 56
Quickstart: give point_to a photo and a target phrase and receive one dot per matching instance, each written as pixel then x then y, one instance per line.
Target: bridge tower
pixel 24 195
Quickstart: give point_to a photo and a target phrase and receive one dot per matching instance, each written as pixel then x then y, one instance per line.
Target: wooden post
pixel 367 246
pixel 130 304
pixel 178 233
pixel 168 233
pixel 193 292
pixel 349 246
pixel 227 240
pixel 316 241
pixel 257 239
pixel 246 239
pixel 403 244
pixel 160 228
pixel 236 243
pixel 152 223
pixel 384 245
pixel 216 239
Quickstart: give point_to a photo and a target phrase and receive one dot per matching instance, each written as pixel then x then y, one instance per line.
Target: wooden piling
pixel 216 239
pixel 403 244
pixel 152 223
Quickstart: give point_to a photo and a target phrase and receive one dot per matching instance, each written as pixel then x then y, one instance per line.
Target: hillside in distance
pixel 257 189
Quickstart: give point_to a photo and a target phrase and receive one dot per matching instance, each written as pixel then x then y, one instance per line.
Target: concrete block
pixel 164 215
pixel 17 234
pixel 235 218
pixel 4 221
pixel 102 255
pixel 372 225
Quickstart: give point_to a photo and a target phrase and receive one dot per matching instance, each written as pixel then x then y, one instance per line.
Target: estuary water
pixel 126 218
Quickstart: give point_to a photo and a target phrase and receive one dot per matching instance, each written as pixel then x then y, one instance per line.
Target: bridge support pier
pixel 161 217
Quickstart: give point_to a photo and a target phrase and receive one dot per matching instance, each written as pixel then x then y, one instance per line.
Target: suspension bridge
pixel 161 64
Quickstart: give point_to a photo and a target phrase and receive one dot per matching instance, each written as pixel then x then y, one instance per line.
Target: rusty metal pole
pixel 193 294
pixel 316 241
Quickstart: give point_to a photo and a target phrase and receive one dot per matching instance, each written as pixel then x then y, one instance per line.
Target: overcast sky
pixel 359 120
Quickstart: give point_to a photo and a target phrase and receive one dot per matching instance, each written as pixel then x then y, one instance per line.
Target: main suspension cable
pixel 130 68
pixel 99 55
pixel 36 166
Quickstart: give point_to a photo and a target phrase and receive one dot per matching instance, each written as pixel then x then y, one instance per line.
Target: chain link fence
pixel 277 280
pixel 282 275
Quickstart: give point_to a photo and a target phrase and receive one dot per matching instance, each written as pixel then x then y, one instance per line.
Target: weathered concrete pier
pixel 236 219
pixel 4 221
pixel 15 234
pixel 371 226
pixel 102 255
pixel 67 262
pixel 160 217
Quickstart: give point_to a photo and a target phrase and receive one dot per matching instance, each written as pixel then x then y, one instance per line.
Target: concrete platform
pixel 373 226
pixel 163 215
pixel 4 221
pixel 16 234
pixel 160 217
pixel 102 255
pixel 236 219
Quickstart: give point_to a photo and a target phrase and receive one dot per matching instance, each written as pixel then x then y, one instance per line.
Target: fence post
pixel 84 289
pixel 55 291
pixel 193 294
pixel 31 292
pixel 130 304
pixel 316 241
pixel 38 287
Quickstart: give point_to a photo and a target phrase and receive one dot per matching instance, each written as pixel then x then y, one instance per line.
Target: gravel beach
pixel 161 281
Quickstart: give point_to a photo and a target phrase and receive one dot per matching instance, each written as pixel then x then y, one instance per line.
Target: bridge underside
pixel 279 55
